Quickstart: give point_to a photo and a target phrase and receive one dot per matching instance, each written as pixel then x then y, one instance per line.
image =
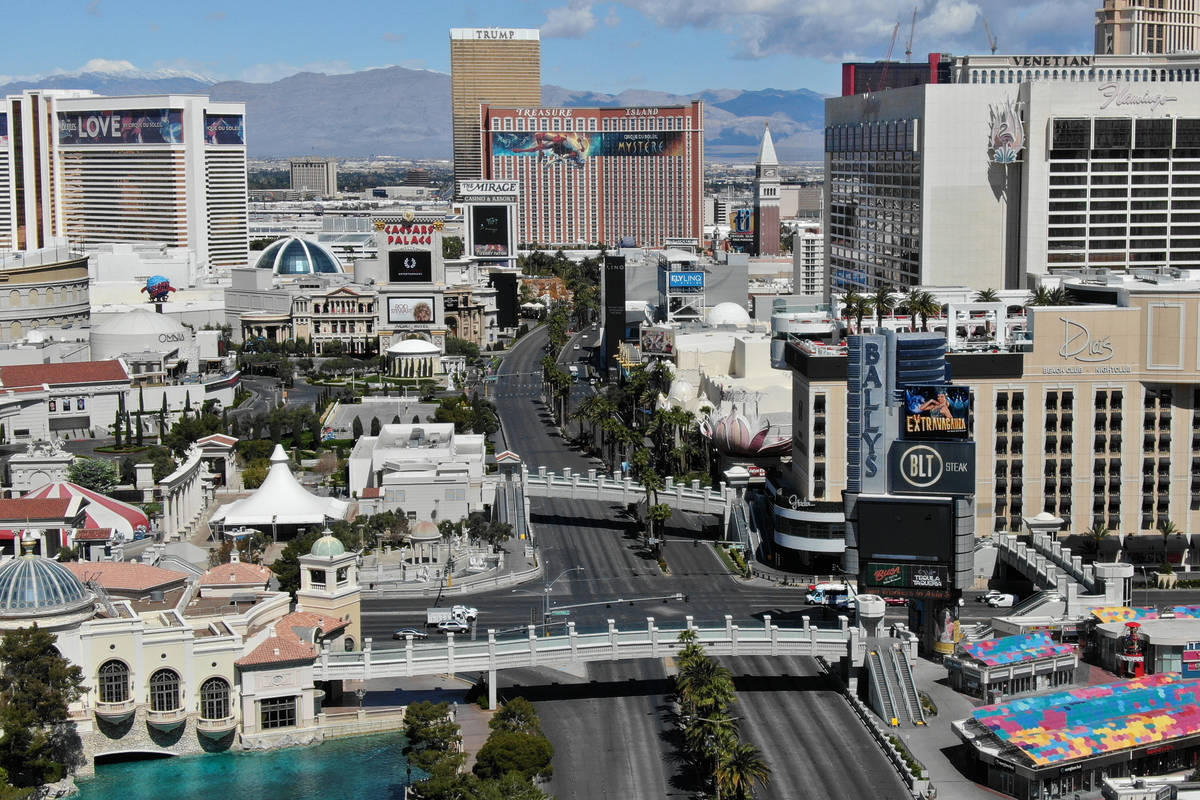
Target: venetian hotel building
pixel 598 175
pixel 1090 412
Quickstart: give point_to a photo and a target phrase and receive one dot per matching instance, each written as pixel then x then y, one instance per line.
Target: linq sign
pixel 409 234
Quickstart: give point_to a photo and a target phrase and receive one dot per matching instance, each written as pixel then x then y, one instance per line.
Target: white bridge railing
pixel 649 641
pixel 595 485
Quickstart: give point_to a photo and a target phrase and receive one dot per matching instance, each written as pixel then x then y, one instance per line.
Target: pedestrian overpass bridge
pixel 844 644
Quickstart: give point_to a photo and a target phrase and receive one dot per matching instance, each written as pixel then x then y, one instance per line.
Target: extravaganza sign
pixel 936 412
pixel 686 280
pixel 140 126
pixel 410 309
pixel 410 266
pixel 932 468
pixel 224 129
pixel 489 231
pixel 576 147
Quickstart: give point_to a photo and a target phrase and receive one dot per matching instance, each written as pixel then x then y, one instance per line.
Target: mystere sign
pixel 931 467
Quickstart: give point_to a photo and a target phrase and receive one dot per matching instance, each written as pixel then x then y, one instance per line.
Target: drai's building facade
pixel 167 169
pixel 1090 412
pixel 1021 166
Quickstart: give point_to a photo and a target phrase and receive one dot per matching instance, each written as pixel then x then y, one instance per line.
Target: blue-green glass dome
pixel 294 256
pixel 32 585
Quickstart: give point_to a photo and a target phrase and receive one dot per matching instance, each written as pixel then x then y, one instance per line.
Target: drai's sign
pixel 1050 61
pixel 1085 353
pixel 868 369
pixel 1121 95
pixel 932 468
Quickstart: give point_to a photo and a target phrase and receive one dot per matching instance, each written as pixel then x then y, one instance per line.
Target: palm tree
pixel 1096 534
pixel 740 769
pixel 884 302
pixel 705 687
pixel 857 306
pixel 923 305
pixel 987 296
pixel 1041 297
pixel 1168 529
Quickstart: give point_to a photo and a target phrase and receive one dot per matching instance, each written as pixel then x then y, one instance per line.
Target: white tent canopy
pixel 281 500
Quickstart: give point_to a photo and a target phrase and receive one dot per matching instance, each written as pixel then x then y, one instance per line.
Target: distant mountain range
pixel 406 112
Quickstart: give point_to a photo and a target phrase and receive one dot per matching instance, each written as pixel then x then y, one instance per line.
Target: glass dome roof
pixel 32 585
pixel 293 256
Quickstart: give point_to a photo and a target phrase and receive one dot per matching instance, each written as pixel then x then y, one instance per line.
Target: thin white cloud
pixel 388 36
pixel 829 29
pixel 215 16
pixel 572 21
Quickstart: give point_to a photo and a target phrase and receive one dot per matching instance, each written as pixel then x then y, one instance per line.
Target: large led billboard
pixel 906 531
pixel 410 266
pixel 936 412
pixel 576 147
pixel 489 231
pixel 941 468
pixel 139 126
pixel 657 341
pixel 686 280
pixel 410 309
pixel 224 129
pixel 741 225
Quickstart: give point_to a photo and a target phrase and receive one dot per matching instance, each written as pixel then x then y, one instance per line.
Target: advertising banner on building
pixel 686 280
pixel 931 468
pixel 867 370
pixel 489 231
pixel 907 576
pixel 741 225
pixel 140 126
pixel 3 130
pixel 936 412
pixel 576 147
pixel 489 191
pixel 1191 660
pixel 657 341
pixel 410 266
pixel 224 129
pixel 410 309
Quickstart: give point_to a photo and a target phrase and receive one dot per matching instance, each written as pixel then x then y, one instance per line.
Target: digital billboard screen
pixel 937 412
pixel 410 309
pixel 410 266
pixel 139 126
pixel 507 299
pixel 880 575
pixel 224 129
pixel 741 224
pixel 489 230
pixel 906 532
pixel 657 341
pixel 576 147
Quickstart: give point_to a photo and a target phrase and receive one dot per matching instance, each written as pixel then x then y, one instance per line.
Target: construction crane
pixel 991 39
pixel 887 62
pixel 911 31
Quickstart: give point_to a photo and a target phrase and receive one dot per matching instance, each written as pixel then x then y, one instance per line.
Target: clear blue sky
pixel 667 45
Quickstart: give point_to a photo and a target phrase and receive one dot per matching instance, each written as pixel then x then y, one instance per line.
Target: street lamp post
pixel 546 589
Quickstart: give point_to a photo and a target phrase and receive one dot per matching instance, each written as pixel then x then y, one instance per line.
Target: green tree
pixel 452 247
pixel 883 301
pixel 356 429
pixel 98 474
pixel 516 716
pixel 528 754
pixel 189 428
pixel 461 347
pixel 987 296
pixel 740 768
pixel 255 472
pixel 923 305
pixel 432 737
pixel 39 744
pixel 117 428
pixel 375 426
pixel 856 306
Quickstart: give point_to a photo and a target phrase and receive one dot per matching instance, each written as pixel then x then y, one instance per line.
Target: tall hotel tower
pixel 167 169
pixel 502 66
pixel 1147 27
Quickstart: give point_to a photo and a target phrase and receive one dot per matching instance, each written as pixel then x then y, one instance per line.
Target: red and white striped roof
pixel 101 511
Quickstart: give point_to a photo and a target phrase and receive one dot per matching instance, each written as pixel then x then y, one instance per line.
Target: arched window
pixel 214 699
pixel 164 690
pixel 113 682
pixel 348 644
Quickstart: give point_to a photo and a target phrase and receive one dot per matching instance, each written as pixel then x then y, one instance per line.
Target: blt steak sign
pixel 932 468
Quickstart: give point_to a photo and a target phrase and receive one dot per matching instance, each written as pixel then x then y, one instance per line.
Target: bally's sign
pixel 932 468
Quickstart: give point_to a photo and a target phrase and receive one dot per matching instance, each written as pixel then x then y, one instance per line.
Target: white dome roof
pixel 728 314
pixel 414 347
pixel 35 337
pixel 137 331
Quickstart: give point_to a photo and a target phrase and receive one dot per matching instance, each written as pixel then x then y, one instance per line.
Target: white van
pixel 824 594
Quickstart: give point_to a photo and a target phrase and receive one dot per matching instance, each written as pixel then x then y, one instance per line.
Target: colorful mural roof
pixel 1015 649
pixel 1064 726
pixel 1127 614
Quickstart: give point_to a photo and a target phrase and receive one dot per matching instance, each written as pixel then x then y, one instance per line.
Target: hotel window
pixel 164 690
pixel 277 712
pixel 214 699
pixel 112 679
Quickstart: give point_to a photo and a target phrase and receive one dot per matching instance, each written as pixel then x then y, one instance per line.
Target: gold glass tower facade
pixel 502 66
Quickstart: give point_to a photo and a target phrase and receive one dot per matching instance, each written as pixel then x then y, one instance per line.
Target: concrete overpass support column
pixel 652 636
pixel 491 689
pixel 690 622
pixel 612 638
pixel 367 658
pixel 729 626
pixel 533 645
pixel 450 652
pixel 804 622
pixel 771 634
pixel 574 641
pixel 408 656
pixel 733 638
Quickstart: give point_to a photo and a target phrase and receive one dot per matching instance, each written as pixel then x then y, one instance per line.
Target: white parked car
pixel 465 612
pixel 1002 600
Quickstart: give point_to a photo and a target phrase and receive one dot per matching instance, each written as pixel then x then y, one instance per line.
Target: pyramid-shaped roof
pixel 281 500
pixel 766 151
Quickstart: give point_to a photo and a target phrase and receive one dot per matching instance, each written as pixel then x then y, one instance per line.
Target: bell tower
pixel 766 198
pixel 329 585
